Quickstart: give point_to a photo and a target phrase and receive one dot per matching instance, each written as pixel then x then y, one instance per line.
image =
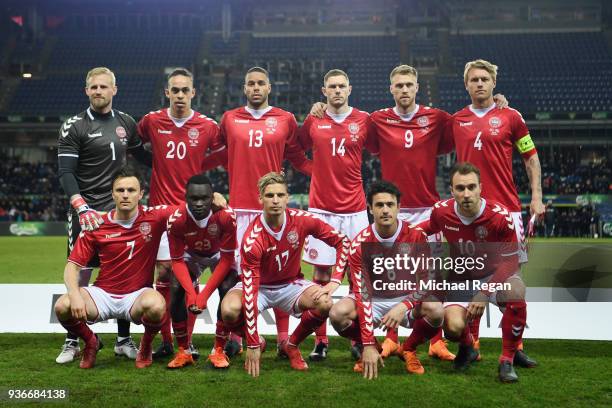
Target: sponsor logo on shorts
pixel 313 253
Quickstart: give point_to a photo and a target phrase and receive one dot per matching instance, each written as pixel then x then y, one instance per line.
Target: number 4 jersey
pixel 179 150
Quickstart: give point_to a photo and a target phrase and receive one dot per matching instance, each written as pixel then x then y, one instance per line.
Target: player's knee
pixel 338 316
pixel 231 306
pixel 434 312
pixel 453 328
pixel 153 305
pixel 62 307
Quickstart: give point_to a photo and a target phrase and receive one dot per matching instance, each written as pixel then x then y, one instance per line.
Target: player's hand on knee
pixel 393 318
pixel 331 287
pixel 477 306
pixel 251 362
pixel 371 358
pixel 318 293
pixel 78 309
pixel 318 110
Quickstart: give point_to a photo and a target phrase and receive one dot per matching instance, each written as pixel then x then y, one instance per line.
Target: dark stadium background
pixel 555 64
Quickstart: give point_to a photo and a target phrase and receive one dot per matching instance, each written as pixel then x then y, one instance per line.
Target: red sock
pixel 164 289
pixel 191 320
pixel 282 325
pixel 392 335
pixel 181 334
pixel 321 331
pixel 311 319
pixel 151 329
pixel 513 325
pixel 236 328
pixel 353 332
pixel 79 328
pixel 421 331
pixel 466 338
pixel 437 337
pixel 221 335
pixel 475 327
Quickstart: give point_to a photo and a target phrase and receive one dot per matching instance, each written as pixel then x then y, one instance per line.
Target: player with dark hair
pixel 336 190
pixel 271 273
pixel 92 146
pixel 258 137
pixel 200 239
pixel 480 229
pixel 126 242
pixel 356 315
pixel 179 139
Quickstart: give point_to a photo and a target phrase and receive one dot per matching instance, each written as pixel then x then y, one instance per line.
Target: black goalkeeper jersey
pixel 99 142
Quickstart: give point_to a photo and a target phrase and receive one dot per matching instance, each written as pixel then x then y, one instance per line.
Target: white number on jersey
pixel 467 247
pixel 284 256
pixel 478 142
pixel 340 150
pixel 179 149
pixel 112 146
pixel 131 245
pixel 258 138
pixel 408 139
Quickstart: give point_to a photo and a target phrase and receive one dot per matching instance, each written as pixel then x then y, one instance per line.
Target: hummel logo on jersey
pixel 164 132
pixel 323 126
pixel 270 249
pixel 392 120
pixel 465 124
pixel 451 228
pixel 188 234
pixel 99 134
pixel 241 121
pixel 115 235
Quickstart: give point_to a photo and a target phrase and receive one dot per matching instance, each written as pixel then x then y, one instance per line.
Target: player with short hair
pixel 336 192
pixel 200 239
pixel 480 229
pixel 486 137
pixel 92 146
pixel 271 273
pixel 258 137
pixel 179 138
pixel 126 242
pixel 356 315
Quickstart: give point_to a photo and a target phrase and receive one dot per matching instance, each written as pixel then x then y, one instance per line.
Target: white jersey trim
pixel 467 221
pixel 391 238
pixel 258 113
pixel 277 235
pixel 481 112
pixel 319 211
pixel 200 223
pixel 339 117
pixel 406 117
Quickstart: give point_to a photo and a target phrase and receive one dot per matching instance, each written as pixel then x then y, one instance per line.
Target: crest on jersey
pixel 292 237
pixel 403 248
pixel 271 124
pixel 213 229
pixel 193 135
pixel 121 134
pixel 495 122
pixel 145 230
pixel 481 232
pixel 313 253
pixel 423 121
pixel 353 128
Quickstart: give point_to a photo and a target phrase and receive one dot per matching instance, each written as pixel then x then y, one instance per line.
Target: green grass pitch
pixel 571 373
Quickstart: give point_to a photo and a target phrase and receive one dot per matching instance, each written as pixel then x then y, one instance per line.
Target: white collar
pixel 392 238
pixel 200 223
pixel 277 235
pixel 467 221
pixel 91 116
pixel 339 117
pixel 179 122
pixel 406 117
pixel 481 112
pixel 127 224
pixel 258 113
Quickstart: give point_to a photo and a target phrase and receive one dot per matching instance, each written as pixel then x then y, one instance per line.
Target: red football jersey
pixel 127 252
pixel 490 232
pixel 405 234
pixel 274 258
pixel 407 151
pixel 336 185
pixel 255 148
pixel 178 152
pixel 488 143
pixel 206 237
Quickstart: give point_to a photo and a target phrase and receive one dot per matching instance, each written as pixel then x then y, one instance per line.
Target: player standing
pixel 200 239
pixel 486 137
pixel 92 147
pixel 180 139
pixel 258 136
pixel 356 315
pixel 271 273
pixel 479 228
pixel 336 192
pixel 126 242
